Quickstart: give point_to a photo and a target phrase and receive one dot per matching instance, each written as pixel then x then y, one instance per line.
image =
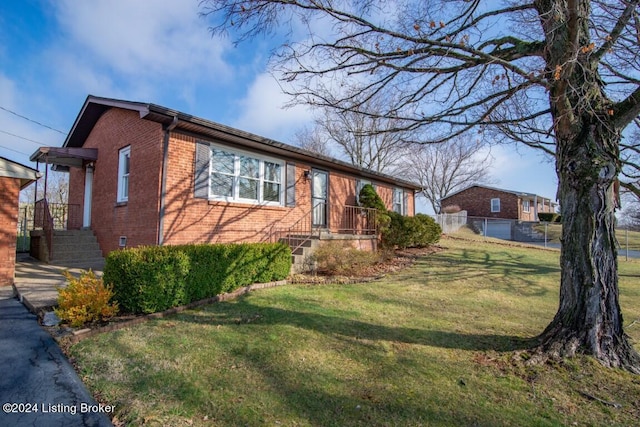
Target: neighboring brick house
pixel 489 202
pixel 500 213
pixel 13 177
pixel 142 174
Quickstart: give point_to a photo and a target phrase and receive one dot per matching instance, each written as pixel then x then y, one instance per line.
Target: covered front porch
pixel 62 231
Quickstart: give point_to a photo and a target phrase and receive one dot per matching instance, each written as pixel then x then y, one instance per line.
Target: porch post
pixel 88 193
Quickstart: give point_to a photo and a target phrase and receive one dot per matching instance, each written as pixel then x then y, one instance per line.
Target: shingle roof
pixel 94 107
pixel 517 193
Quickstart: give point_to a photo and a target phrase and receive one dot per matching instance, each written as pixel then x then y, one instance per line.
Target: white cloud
pixel 136 46
pixel 264 112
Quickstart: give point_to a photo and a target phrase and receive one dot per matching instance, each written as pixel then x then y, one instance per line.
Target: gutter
pixel 163 187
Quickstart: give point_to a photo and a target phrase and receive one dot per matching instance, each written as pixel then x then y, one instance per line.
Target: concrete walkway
pixel 36 282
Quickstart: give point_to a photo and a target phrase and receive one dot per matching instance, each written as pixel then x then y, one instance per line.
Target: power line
pixel 15 151
pixel 22 137
pixel 31 120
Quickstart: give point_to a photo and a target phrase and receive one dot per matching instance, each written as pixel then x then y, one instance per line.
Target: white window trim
pixel 122 195
pixel 497 199
pixel 235 198
pixel 526 206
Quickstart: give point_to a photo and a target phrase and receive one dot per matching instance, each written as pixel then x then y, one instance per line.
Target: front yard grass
pixel 433 345
pixel 625 237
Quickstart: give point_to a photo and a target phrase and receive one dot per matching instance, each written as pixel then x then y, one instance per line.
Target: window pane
pixel 221 185
pixel 271 192
pixel 248 189
pixel 320 185
pixel 125 187
pixel 271 172
pixel 249 167
pixel 222 161
pixel 125 162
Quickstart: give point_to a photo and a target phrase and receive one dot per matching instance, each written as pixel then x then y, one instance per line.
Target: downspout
pixel 163 185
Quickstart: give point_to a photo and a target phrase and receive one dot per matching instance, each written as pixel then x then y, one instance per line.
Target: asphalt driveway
pixel 38 385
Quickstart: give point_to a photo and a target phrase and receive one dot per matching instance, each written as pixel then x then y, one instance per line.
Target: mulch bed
pixel 400 260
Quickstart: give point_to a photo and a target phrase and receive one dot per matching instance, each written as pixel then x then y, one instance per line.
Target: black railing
pixel 359 220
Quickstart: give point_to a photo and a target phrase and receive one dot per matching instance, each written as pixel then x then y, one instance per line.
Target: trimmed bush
pixel 410 231
pixel 84 300
pixel 370 199
pixel 156 278
pixel 549 217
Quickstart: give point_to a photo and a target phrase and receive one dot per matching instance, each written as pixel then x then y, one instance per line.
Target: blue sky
pixel 56 52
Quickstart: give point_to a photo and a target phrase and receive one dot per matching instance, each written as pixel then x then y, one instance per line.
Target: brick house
pixel 489 202
pixel 503 209
pixel 142 174
pixel 13 177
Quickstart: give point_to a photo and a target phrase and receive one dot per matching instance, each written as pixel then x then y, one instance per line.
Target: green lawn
pixel 432 345
pixel 632 238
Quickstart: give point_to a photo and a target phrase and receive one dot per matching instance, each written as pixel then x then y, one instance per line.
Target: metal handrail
pixel 299 233
pixel 44 220
pixel 55 216
pixel 359 220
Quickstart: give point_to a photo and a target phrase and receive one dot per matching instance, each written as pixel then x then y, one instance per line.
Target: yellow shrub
pixel 85 299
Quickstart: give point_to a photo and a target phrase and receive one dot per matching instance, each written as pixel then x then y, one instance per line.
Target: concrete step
pixel 75 247
pixel 76 256
pixel 95 264
pixel 79 245
pixel 69 239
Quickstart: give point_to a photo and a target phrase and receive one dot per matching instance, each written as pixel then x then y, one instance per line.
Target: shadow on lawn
pixel 508 272
pixel 243 312
pixel 318 398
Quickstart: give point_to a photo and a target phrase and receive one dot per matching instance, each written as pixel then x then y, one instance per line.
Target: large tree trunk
pixel 589 318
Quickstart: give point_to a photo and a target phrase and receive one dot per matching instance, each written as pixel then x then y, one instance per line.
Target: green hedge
pixel 155 278
pixel 549 217
pixel 411 231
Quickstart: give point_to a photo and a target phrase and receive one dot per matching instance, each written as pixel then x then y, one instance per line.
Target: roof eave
pixel 95 106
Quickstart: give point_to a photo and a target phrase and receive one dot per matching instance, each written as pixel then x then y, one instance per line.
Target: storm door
pixel 319 197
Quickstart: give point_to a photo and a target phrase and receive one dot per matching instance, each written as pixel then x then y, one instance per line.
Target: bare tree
pixel 448 167
pixel 364 139
pixel 630 158
pixel 558 75
pixel 311 139
pixel 629 218
pixel 57 189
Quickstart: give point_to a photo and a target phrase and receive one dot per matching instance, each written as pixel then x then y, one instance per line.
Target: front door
pixel 88 195
pixel 319 197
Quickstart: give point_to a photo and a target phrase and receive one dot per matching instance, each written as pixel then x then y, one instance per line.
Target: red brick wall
pixel 187 219
pixel 9 195
pixel 190 220
pixel 477 202
pixel 136 219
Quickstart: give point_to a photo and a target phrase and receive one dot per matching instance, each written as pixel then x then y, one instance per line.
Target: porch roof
pixel 64 157
pixel 11 169
pixel 94 107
